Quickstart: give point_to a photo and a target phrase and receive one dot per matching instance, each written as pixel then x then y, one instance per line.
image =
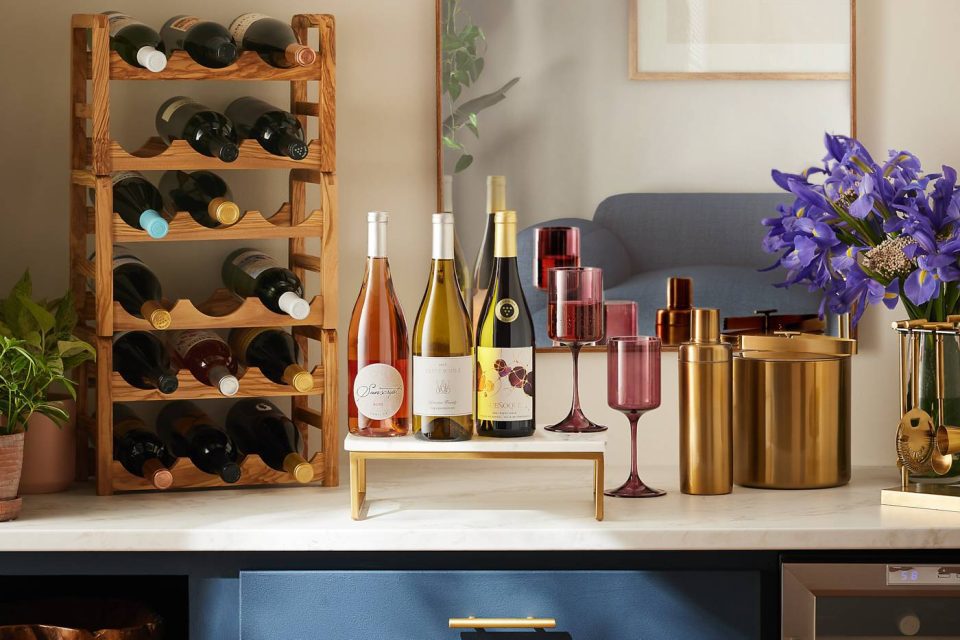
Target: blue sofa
pixel 641 239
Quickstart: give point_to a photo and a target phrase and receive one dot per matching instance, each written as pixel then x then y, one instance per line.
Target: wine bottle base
pixel 511 432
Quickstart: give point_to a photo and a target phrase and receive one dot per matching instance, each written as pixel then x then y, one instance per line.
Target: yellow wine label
pixel 505 386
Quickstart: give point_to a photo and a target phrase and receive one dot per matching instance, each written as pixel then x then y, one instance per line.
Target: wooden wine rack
pixel 95 155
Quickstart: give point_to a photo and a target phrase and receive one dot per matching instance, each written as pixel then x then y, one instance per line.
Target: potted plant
pixel 43 331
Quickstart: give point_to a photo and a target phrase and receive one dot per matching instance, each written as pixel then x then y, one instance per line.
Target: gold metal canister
pixel 706 449
pixel 791 411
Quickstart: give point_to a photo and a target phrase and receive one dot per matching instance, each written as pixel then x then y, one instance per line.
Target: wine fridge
pixel 870 601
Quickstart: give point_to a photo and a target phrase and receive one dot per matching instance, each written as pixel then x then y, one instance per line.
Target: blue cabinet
pixel 416 605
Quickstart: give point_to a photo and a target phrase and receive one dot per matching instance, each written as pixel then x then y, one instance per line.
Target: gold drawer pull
pixel 502 623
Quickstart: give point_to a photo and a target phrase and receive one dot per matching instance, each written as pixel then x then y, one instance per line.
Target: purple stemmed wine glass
pixel 554 247
pixel 633 387
pixel 575 318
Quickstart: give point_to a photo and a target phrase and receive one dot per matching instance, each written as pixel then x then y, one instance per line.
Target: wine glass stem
pixel 575 406
pixel 633 418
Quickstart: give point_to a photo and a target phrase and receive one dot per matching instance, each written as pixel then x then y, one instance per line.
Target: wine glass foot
pixel 576 423
pixel 634 488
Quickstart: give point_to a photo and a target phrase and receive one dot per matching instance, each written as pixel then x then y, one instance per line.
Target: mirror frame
pixel 438 63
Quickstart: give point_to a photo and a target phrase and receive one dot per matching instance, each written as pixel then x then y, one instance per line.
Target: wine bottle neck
pixel 496 193
pixel 443 235
pixel 376 237
pixel 505 235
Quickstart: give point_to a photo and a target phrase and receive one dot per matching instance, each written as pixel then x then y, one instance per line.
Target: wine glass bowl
pixel 619 319
pixel 554 247
pixel 633 388
pixel 575 318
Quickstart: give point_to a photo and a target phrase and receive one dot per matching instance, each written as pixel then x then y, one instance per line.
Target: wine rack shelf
pixel 252 384
pixel 253 471
pixel 95 154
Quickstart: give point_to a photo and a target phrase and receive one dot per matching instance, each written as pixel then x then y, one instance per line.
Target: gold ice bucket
pixel 791 411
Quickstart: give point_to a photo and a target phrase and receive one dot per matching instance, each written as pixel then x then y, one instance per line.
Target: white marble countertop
pixel 479 505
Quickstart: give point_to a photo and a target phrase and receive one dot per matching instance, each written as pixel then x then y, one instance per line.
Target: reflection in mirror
pixel 660 178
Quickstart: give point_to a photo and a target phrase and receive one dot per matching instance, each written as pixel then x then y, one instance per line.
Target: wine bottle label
pixel 172 108
pixel 253 262
pixel 183 23
pixel 443 386
pixel 184 341
pixel 123 175
pixel 118 21
pixel 507 310
pixel 238 28
pixel 504 383
pixel 378 391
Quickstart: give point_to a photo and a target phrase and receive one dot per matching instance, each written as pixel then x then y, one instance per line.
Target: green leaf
pixel 450 143
pixel 476 105
pixel 473 124
pixel 465 161
pixel 454 89
pixel 41 316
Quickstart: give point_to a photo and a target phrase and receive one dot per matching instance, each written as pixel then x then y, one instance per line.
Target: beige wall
pixel 386 160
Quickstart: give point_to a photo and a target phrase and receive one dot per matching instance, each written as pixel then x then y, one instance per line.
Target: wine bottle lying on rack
pixel 136 288
pixel 138 203
pixel 377 347
pixel 140 450
pixel 188 432
pixel 274 352
pixel 251 273
pixel 277 131
pixel 259 427
pixel 207 131
pixel 135 43
pixel 202 194
pixel 207 43
pixel 143 361
pixel 273 39
pixel 505 353
pixel 443 369
pixel 208 357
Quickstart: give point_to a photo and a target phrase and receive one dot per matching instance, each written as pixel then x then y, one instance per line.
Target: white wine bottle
pixel 483 268
pixel 505 339
pixel 443 370
pixel 464 275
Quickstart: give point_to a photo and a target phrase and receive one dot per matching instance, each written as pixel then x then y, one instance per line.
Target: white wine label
pixel 184 341
pixel 238 28
pixel 118 21
pixel 506 310
pixel 443 386
pixel 505 383
pixel 253 262
pixel 123 175
pixel 378 391
pixel 183 23
pixel 172 108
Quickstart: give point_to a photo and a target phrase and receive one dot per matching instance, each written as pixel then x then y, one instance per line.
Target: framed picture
pixel 742 39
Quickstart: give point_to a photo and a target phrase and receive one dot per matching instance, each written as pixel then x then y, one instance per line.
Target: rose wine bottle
pixel 483 268
pixel 207 43
pixel 140 450
pixel 188 432
pixel 135 43
pixel 202 194
pixel 207 356
pixel 273 39
pixel 207 131
pixel 276 130
pixel 505 341
pixel 259 427
pixel 251 273
pixel 377 349
pixel 138 203
pixel 137 290
pixel 274 352
pixel 143 361
pixel 443 371
pixel 464 275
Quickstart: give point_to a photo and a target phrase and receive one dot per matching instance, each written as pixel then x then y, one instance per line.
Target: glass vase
pixel 927 394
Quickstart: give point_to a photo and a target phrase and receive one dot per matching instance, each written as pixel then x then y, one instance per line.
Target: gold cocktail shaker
pixel 706 408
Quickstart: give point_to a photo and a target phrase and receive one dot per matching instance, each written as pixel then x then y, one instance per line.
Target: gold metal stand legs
pixel 358 469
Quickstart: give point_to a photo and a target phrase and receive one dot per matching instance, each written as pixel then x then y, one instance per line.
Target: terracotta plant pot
pixel 11 463
pixel 49 452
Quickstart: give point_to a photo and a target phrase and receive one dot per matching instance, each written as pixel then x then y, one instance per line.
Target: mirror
pixel 652 127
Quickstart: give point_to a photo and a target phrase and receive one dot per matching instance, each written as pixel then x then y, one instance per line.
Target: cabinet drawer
pixel 416 605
